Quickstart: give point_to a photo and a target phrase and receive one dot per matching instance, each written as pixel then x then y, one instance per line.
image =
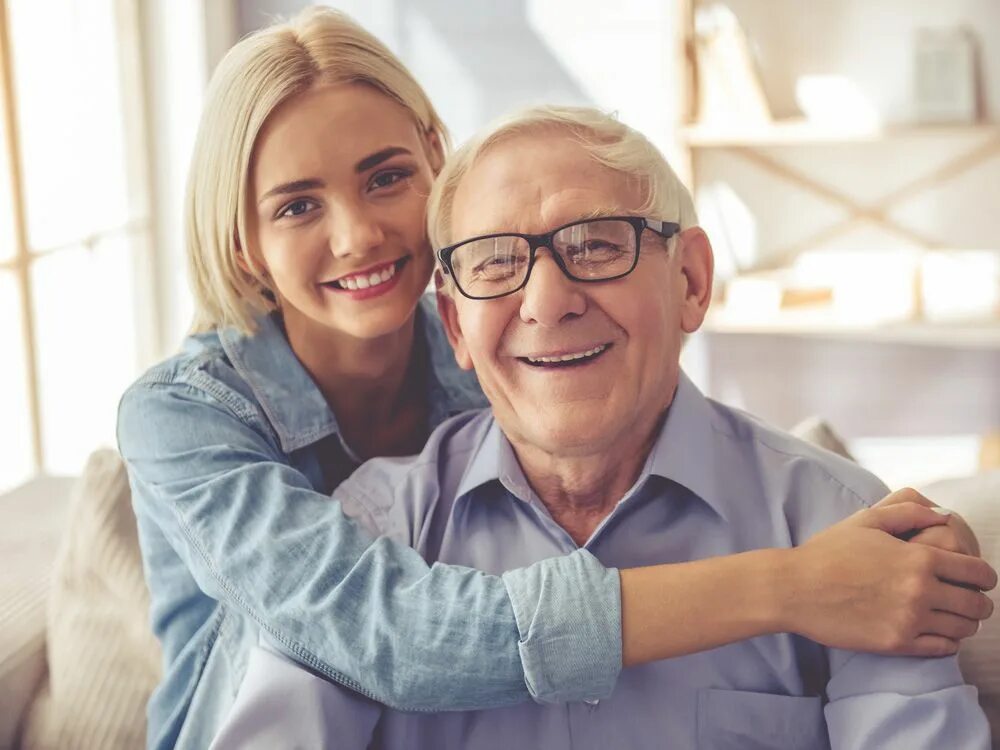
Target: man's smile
pixel 568 359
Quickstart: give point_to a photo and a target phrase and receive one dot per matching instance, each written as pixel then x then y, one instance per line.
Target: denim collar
pixel 684 452
pixel 294 404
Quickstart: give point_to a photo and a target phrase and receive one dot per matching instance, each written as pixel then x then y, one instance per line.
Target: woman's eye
pixel 388 178
pixel 296 208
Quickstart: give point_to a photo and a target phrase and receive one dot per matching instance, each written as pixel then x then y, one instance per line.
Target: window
pixel 74 229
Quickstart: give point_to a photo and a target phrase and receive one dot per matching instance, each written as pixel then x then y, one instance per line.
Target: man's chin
pixel 573 435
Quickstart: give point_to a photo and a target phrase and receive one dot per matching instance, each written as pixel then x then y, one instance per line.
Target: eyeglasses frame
pixel 665 229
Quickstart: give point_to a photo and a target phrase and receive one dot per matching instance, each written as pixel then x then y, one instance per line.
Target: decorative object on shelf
pixel 835 102
pixel 729 86
pixel 960 285
pixel 945 77
pixel 870 286
pixel 764 295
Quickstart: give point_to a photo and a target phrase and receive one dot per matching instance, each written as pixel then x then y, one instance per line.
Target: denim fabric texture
pixel 232 455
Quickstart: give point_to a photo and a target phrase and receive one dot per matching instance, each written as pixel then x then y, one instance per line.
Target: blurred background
pixel 845 157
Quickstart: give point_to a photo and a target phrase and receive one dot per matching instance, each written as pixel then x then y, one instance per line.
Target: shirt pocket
pixel 743 720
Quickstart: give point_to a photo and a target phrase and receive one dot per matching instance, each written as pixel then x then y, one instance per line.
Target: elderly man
pixel 573 270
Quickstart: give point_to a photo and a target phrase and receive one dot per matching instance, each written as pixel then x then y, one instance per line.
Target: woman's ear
pixel 435 150
pixel 241 260
pixel 245 261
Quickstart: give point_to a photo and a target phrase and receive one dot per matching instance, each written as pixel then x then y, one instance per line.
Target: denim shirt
pixel 232 455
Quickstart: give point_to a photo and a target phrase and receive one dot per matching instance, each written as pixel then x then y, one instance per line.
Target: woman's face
pixel 338 187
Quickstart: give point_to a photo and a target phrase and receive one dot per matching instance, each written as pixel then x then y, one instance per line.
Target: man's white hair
pixel 607 140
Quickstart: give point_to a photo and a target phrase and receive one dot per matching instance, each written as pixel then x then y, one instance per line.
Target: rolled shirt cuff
pixel 568 614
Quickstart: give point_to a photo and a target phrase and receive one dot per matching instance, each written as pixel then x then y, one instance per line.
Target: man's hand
pixel 955 536
pixel 859 588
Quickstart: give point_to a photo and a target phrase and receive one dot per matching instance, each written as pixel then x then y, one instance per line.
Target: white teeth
pixel 570 357
pixel 366 281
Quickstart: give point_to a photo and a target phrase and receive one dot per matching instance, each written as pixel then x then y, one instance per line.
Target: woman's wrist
pixel 779 590
pixel 683 608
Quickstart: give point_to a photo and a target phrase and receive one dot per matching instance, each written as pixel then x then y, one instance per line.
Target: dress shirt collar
pixel 684 453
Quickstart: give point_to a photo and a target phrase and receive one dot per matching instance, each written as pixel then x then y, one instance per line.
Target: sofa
pixel 77 658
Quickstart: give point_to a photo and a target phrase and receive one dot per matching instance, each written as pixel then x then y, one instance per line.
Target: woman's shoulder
pixel 199 374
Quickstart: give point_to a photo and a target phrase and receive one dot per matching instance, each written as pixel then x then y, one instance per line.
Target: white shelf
pixel 984 334
pixel 803 132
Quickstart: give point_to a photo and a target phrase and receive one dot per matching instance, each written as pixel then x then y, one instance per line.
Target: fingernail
pixel 941 511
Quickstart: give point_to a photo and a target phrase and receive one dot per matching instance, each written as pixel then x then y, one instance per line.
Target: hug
pixel 500 515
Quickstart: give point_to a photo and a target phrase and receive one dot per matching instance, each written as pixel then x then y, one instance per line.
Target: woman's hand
pixel 858 587
pixel 954 536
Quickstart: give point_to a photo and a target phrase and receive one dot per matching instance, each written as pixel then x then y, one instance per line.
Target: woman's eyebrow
pixel 294 186
pixel 365 164
pixel 380 156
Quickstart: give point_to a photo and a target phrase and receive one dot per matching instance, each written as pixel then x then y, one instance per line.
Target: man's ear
pixel 698 267
pixel 449 316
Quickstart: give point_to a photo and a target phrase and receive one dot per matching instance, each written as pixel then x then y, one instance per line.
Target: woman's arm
pixel 853 586
pixel 370 613
pixel 365 612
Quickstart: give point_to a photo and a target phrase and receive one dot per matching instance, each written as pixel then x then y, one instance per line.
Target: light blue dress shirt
pixel 716 482
pixel 232 454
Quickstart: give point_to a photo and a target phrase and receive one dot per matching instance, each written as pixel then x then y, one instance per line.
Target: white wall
pixel 184 41
pixel 480 59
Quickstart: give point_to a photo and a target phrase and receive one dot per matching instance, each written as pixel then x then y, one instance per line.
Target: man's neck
pixel 581 489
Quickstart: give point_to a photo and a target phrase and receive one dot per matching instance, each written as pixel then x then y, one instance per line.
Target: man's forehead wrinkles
pixel 510 207
pixel 545 215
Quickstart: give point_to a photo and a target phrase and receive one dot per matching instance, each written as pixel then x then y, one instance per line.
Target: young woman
pixel 314 350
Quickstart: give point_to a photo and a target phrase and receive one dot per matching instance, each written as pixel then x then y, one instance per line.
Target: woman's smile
pixel 369 283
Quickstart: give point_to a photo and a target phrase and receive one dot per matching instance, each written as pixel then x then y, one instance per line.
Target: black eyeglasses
pixel 604 249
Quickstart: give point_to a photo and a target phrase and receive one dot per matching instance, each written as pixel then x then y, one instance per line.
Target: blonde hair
pixel 605 139
pixel 263 70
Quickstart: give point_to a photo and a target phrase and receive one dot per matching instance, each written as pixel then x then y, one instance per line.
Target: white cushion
pixel 977 499
pixel 103 660
pixel 32 519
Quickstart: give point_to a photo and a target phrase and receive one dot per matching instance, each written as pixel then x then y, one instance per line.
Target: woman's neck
pixel 369 384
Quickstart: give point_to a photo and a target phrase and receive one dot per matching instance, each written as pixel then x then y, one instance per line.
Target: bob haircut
pixel 608 141
pixel 317 47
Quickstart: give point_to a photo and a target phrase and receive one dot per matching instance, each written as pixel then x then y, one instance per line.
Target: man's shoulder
pixel 399 494
pixel 807 480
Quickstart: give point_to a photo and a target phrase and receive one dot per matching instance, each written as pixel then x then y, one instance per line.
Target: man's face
pixel 632 326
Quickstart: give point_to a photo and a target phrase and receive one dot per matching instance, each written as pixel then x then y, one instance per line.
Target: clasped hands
pixel 902 577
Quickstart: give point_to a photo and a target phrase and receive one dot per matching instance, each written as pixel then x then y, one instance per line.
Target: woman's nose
pixel 354 231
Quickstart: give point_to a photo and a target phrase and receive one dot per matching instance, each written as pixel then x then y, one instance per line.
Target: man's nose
pixel 354 231
pixel 550 296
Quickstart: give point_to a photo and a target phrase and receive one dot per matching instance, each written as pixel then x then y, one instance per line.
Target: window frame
pixel 139 228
